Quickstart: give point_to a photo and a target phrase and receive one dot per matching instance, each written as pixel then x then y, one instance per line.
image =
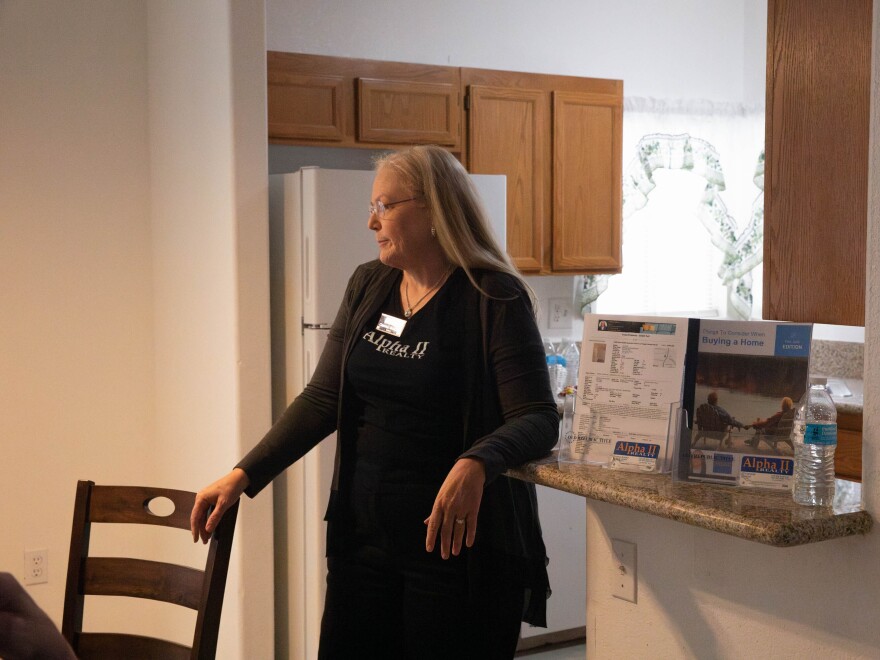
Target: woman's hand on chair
pixel 221 495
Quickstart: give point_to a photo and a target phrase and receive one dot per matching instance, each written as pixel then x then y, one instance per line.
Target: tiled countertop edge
pixel 686 502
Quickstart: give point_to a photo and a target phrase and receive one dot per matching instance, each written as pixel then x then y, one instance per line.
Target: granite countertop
pixel 765 516
pixel 842 363
pixel 847 394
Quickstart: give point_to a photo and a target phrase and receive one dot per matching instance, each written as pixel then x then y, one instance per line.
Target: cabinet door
pixel 508 131
pixel 306 106
pixel 848 455
pixel 405 112
pixel 587 198
pixel 320 100
pixel 816 182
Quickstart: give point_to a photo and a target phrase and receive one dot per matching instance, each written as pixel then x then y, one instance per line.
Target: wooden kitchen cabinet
pixel 587 180
pixel 558 139
pixel 509 133
pixel 816 172
pixel 335 101
pixel 848 455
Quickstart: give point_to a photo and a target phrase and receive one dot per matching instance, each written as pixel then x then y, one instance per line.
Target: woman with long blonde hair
pixel 434 378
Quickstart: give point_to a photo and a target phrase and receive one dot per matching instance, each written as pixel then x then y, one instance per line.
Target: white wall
pixel 76 331
pixel 672 49
pixel 705 595
pixel 548 288
pixel 133 277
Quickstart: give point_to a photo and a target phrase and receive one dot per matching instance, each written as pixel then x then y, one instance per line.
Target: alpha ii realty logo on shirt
pixel 394 348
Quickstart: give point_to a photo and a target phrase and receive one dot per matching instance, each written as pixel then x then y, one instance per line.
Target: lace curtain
pixel 692 212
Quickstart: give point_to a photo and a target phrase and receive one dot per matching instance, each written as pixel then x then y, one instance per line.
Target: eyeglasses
pixel 379 208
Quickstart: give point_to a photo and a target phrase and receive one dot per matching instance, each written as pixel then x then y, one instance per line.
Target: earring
pixel 433 232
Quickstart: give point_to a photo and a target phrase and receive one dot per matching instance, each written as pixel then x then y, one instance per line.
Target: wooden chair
pixel 139 578
pixel 779 433
pixel 710 426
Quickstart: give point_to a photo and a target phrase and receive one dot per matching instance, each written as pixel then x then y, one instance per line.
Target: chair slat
pixel 104 646
pixel 128 504
pixel 140 578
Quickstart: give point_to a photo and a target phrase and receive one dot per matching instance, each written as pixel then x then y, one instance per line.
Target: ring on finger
pixel 459 521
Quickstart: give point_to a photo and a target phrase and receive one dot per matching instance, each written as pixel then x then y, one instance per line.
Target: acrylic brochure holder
pixel 645 454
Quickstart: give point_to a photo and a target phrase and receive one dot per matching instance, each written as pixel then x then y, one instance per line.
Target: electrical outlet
pixel 560 314
pixel 623 578
pixel 36 566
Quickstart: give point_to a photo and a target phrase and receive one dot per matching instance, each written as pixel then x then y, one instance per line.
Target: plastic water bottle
pixel 572 357
pixel 814 436
pixel 556 367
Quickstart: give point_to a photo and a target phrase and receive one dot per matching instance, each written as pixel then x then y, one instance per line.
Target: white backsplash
pixel 551 287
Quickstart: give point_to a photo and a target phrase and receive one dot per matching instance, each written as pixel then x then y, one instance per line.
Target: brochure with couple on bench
pixel 742 383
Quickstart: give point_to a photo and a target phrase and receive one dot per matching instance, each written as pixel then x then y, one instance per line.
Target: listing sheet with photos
pixel 629 391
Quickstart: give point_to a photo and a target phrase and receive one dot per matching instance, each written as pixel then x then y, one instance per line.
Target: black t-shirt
pixel 408 396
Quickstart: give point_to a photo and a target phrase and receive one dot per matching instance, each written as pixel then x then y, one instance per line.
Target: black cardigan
pixel 510 417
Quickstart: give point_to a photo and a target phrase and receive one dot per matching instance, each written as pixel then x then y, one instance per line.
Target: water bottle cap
pixel 818 380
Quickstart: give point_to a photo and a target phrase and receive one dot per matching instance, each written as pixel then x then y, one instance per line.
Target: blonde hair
pixel 457 214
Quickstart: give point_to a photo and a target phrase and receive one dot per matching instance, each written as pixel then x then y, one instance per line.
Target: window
pixel 693 212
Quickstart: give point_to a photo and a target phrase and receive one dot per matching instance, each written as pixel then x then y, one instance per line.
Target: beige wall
pixel 76 330
pixel 210 272
pixel 133 277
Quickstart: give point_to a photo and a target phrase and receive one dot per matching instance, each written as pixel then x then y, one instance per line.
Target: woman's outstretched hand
pixel 221 494
pixel 454 516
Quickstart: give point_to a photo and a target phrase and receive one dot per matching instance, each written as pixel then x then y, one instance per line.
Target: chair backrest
pixel 783 428
pixel 707 419
pixel 139 578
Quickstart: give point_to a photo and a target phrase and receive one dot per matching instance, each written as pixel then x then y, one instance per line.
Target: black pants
pixel 389 598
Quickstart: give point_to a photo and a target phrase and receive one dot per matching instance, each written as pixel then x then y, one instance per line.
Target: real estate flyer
pixel 629 391
pixel 741 393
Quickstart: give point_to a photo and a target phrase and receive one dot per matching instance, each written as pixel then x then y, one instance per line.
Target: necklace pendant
pixel 407 313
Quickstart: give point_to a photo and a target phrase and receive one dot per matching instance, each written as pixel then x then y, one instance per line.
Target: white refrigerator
pixel 319 234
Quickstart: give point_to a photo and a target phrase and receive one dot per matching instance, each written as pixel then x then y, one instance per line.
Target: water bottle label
pixel 820 434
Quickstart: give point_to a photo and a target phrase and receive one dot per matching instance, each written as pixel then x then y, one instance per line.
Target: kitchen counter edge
pixel 765 516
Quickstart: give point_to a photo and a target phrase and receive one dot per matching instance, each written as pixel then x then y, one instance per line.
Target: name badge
pixel 391 324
